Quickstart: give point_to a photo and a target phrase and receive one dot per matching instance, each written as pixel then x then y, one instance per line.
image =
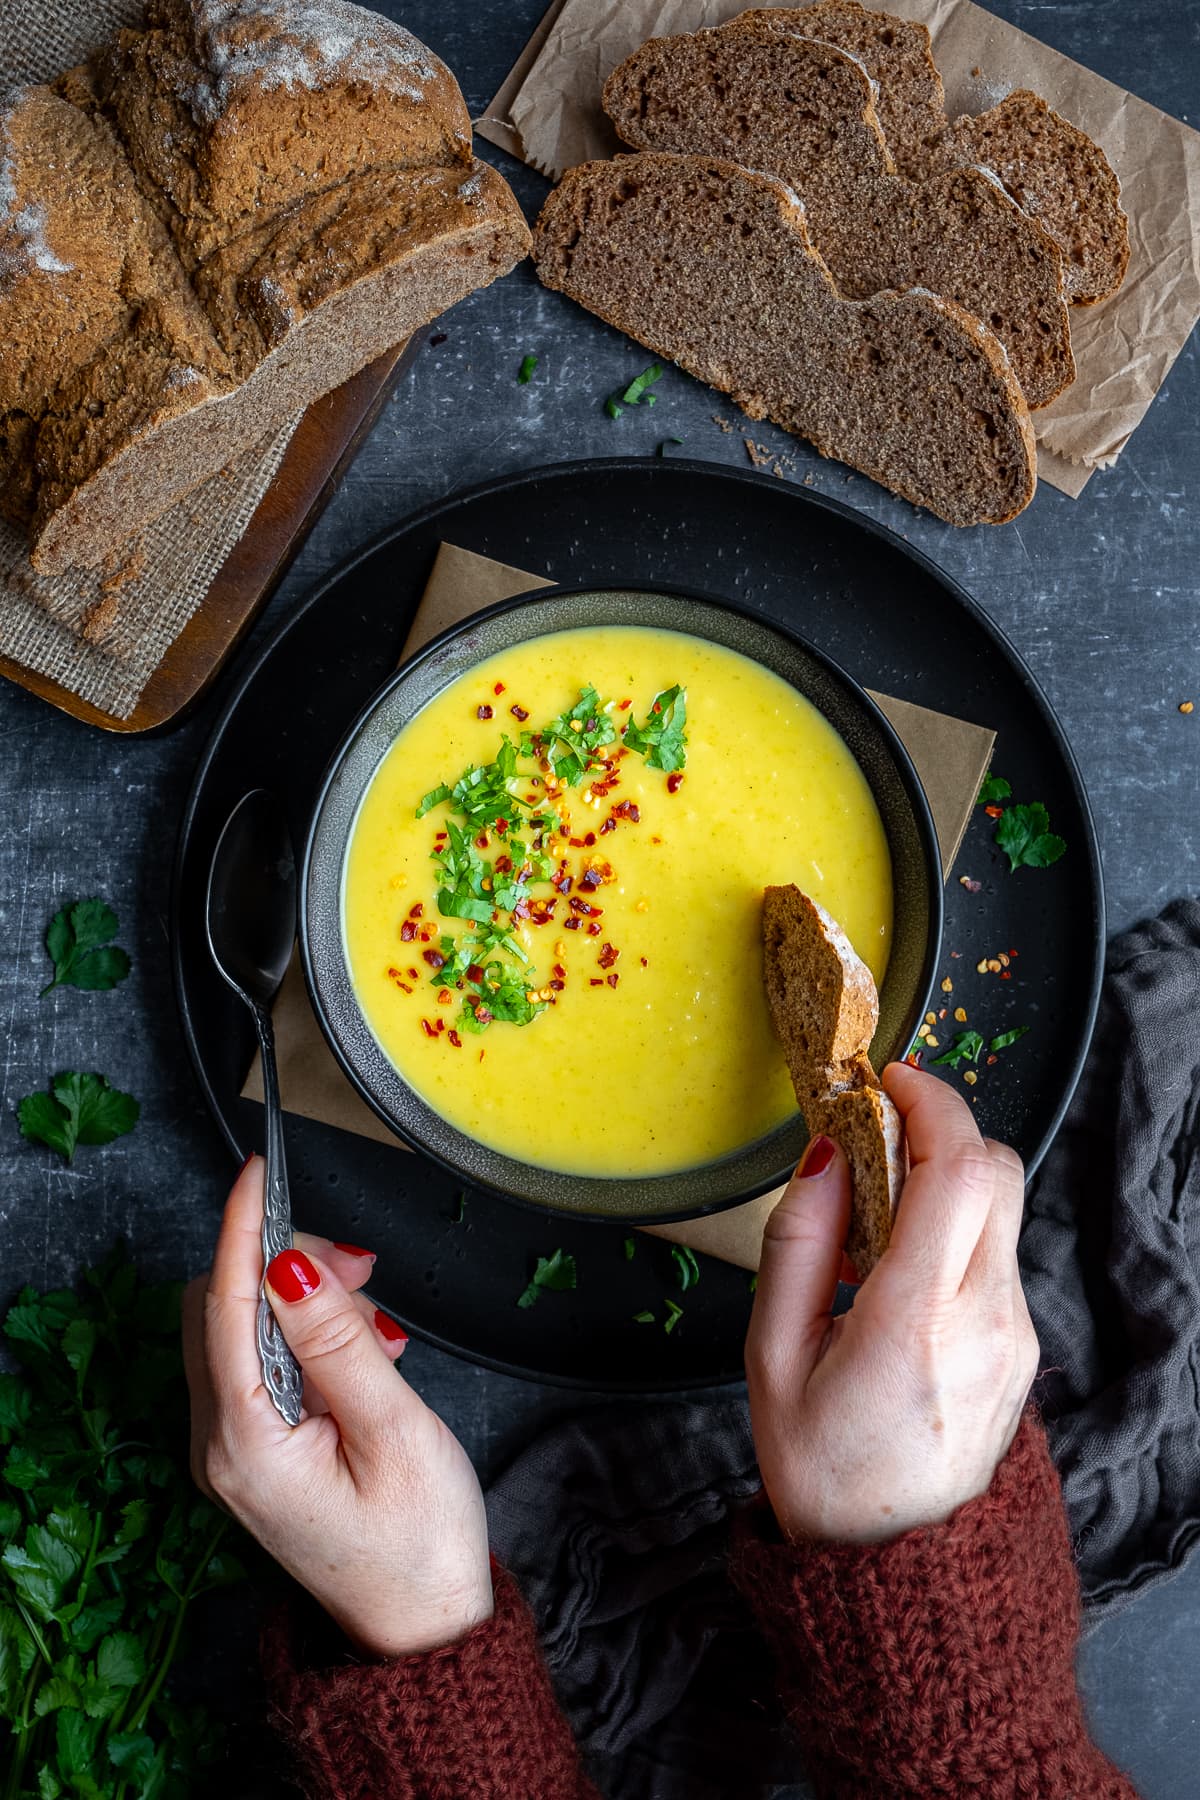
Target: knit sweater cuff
pixel 475 1721
pixel 941 1663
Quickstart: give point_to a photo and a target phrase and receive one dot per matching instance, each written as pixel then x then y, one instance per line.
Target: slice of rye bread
pixel 1055 171
pixel 825 1007
pixel 170 422
pixel 803 110
pixel 711 265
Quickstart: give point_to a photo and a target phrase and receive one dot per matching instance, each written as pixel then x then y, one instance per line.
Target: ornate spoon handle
pixel 281 1373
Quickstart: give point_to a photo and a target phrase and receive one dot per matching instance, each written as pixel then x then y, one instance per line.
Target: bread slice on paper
pixel 711 265
pixel 806 111
pixel 825 1008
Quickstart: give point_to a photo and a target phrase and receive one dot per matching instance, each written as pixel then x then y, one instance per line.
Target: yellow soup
pixel 651 1048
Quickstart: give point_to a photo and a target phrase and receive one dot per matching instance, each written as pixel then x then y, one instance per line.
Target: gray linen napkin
pixel 615 1524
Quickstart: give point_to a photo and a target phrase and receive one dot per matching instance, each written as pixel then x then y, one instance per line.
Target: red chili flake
pixel 942 1013
pixel 1014 953
pixel 628 809
pixel 426 932
pixel 560 971
pixel 643 962
pixel 656 707
pixel 503 865
pixel 913 1059
pixel 501 824
pixel 434 958
pixel 596 981
pixel 583 909
pixel 608 956
pixel 452 1037
pixel 655 840
pixel 994 812
pixel 591 878
pixel 521 910
pixel 608 825
pixel 972 887
pixel 445 997
pixel 482 1054
pixel 589 840
pixel 571 924
pixel 408 932
pixel 474 972
pixel 394 975
pixel 416 911
pixel 992 1059
pixel 414 975
pixel 483 712
pixel 624 705
pixel 519 713
pixel 482 841
pixel 427 1028
pixel 957 955
pixel 440 1026
pixel 558 986
pixel 483 1016
pixel 575 843
pixel 593 929
pixel 499 688
pixel 613 980
pixel 1006 974
pixel 562 883
pixel 674 783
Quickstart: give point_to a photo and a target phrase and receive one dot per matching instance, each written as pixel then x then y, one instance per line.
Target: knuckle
pixel 969 1169
pixel 328 1334
pixel 1006 1160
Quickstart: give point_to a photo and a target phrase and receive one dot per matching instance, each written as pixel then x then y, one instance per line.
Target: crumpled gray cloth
pixel 1110 1257
pixel 616 1523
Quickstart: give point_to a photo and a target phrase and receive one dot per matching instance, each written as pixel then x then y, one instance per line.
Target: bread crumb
pixel 723 423
pixel 132 565
pixel 99 619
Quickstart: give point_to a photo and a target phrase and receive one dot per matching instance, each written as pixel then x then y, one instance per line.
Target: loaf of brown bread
pixel 1053 170
pixel 711 265
pixel 825 1008
pixel 259 199
pixel 804 110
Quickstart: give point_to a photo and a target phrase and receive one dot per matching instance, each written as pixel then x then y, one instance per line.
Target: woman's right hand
pixel 370 1502
pixel 899 1411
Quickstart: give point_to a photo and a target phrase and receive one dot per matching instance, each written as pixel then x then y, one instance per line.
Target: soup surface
pixel 637 1040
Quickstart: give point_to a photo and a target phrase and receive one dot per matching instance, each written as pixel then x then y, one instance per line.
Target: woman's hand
pixel 896 1413
pixel 370 1502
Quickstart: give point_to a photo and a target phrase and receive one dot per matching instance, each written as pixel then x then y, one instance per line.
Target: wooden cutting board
pixel 322 448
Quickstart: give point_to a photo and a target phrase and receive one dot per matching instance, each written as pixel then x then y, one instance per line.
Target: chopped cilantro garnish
pixel 754 1282
pixel 1008 1037
pixel 629 1247
pixel 556 1272
pixel 994 788
pixel 966 1047
pixel 635 394
pixel 674 1314
pixel 686 1266
pixel 661 740
pixel 643 1318
pixel 662 448
pixel 1024 835
pixel 460 1207
pixel 525 372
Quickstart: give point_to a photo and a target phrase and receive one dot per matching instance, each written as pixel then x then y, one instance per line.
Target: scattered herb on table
pixel 686 1266
pixel 643 1318
pixel 79 1109
pixel 636 394
pixel 78 940
pixel 460 1207
pixel 629 1247
pixel 674 1314
pixel 106 1545
pixel 967 1047
pixel 555 1272
pixel 1007 1037
pixel 525 372
pixel 754 1282
pixel 662 448
pixel 1024 835
pixel 994 788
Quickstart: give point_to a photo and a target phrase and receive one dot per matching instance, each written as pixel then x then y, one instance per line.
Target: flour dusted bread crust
pixel 711 265
pixel 825 1008
pixel 221 218
pixel 806 111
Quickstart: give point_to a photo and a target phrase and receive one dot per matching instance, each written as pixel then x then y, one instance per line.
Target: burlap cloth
pixel 152 597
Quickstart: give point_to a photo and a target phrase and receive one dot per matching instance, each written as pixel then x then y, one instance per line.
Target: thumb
pixel 333 1343
pixel 800 1264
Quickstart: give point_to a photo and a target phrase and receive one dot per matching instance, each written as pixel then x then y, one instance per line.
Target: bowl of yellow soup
pixel 530 900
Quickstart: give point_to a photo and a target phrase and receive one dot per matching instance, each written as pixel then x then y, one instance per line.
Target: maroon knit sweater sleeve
pixel 475 1721
pixel 941 1664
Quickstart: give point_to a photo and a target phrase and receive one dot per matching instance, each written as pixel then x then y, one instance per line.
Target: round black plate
pixel 877 607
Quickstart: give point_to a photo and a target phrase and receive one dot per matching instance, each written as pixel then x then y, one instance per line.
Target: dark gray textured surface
pixel 1099 595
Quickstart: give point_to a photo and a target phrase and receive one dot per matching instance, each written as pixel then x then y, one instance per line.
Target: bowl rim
pixel 905 768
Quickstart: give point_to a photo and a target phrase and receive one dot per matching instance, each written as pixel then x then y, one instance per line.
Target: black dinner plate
pixel 876 606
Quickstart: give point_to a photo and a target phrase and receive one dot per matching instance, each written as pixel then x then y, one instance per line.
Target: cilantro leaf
pixel 994 788
pixel 1024 834
pixel 555 1272
pixel 77 939
pixel 674 1314
pixel 636 393
pixel 643 1318
pixel 525 372
pixel 662 448
pixel 686 1266
pixel 80 1109
pixel 661 740
pixel 1007 1037
pixel 629 1246
pixel 966 1047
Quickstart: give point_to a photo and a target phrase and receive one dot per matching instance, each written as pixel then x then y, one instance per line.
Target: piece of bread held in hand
pixel 712 265
pixel 825 1008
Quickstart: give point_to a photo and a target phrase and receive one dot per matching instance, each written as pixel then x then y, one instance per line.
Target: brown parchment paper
pixel 548 112
pixel 951 757
pixel 103 633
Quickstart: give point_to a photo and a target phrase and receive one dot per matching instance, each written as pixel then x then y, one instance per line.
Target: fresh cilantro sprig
pixel 79 1109
pixel 105 1545
pixel 662 740
pixel 994 789
pixel 1024 835
pixel 556 1272
pixel 78 940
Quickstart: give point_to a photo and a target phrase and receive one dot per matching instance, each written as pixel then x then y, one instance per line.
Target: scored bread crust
pixel 806 111
pixel 711 265
pixel 825 1008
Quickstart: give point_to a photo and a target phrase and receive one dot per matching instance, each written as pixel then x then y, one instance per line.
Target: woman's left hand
pixel 370 1502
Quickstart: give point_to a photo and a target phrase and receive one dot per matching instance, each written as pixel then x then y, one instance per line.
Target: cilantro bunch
pixel 106 1543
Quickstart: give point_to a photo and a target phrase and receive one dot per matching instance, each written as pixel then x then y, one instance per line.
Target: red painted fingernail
pixel 818 1156
pixel 292 1276
pixel 355 1250
pixel 388 1328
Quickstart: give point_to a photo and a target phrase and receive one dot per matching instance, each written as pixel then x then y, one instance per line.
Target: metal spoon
pixel 251 918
